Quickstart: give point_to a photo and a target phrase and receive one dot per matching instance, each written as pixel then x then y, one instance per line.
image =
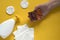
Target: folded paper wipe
pixel 23 32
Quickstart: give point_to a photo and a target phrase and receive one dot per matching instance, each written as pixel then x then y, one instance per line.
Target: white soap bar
pixel 24 4
pixel 6 28
pixel 10 10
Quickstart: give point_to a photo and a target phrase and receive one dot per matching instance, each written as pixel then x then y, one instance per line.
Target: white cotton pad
pixel 24 4
pixel 6 28
pixel 20 29
pixel 10 10
pixel 26 36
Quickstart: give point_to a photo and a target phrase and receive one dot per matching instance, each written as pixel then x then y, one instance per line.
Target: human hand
pixel 42 10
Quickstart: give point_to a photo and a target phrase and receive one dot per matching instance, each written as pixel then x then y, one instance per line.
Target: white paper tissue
pixel 23 32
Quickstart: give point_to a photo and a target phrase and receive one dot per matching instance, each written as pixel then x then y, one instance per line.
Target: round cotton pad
pixel 24 4
pixel 10 10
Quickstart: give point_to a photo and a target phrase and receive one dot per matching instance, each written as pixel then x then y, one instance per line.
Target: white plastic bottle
pixel 6 27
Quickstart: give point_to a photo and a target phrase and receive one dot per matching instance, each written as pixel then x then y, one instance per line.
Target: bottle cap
pixel 10 10
pixel 24 4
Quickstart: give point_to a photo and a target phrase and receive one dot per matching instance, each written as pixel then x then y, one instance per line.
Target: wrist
pixel 53 4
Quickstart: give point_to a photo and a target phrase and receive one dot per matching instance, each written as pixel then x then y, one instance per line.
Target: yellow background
pixel 47 29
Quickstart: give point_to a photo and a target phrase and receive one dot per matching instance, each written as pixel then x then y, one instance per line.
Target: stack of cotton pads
pixel 23 32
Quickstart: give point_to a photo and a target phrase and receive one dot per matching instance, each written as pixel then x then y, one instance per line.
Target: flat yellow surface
pixel 47 29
